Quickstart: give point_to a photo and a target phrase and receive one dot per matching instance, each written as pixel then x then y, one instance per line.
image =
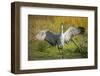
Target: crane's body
pixel 59 39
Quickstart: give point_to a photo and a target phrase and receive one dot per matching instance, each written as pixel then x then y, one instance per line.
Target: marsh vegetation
pixel 41 50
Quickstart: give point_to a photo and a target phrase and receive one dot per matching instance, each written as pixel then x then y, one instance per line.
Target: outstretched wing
pixel 48 36
pixel 41 35
pixel 72 31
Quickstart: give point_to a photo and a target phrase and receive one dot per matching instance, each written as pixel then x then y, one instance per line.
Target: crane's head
pixel 62 28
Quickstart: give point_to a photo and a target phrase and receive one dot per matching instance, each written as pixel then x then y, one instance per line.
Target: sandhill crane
pixel 59 39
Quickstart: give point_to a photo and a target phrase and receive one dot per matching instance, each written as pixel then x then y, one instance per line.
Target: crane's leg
pixel 61 52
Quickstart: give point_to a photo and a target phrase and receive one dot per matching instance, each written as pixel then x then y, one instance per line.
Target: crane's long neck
pixel 62 36
pixel 62 30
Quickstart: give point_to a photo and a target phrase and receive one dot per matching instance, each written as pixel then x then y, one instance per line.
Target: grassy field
pixel 41 50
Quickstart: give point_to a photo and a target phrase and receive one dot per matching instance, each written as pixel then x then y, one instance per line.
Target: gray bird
pixel 59 39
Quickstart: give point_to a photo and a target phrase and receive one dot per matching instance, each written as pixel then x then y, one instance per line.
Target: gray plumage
pixel 61 38
pixel 53 39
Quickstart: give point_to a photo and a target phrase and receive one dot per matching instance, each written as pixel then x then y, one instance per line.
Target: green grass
pixel 41 50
